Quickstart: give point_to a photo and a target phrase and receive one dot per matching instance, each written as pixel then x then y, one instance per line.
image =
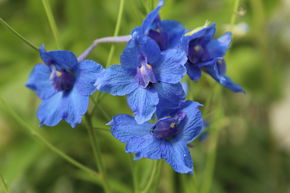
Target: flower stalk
pixel 18 35
pixel 45 142
pixel 116 32
pixel 52 22
pixel 103 40
pixel 97 153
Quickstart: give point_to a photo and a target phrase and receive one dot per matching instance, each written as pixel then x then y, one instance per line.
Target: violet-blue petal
pixel 51 110
pixel 218 47
pixel 39 81
pixel 117 80
pixel 124 127
pixel 88 72
pixel 214 71
pixel 174 31
pixel 77 106
pixel 178 156
pixel 63 106
pixel 62 59
pixel 147 146
pixel 206 33
pixel 171 69
pixel 143 102
pixel 193 71
pixel 139 48
pixel 151 17
pixel 170 96
pixel 193 124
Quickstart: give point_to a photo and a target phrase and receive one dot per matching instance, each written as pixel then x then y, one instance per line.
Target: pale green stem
pixel 155 168
pixel 158 177
pixel 54 149
pixel 116 32
pixel 210 164
pixel 51 21
pixel 4 183
pixel 134 175
pixel 18 35
pixel 234 14
pixel 97 153
pixel 106 115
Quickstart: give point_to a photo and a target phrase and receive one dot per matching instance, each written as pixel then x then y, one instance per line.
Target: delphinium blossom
pixel 148 76
pixel 206 54
pixel 152 65
pixel 166 139
pixel 166 33
pixel 64 85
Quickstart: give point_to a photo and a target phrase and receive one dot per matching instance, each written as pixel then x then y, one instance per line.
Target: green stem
pixel 158 176
pixel 116 32
pixel 18 35
pixel 105 114
pixel 152 177
pixel 51 21
pixel 4 183
pixel 97 153
pixel 234 14
pixel 210 164
pixel 54 149
pixel 134 176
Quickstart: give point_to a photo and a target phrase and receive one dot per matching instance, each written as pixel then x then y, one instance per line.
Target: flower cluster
pixel 159 54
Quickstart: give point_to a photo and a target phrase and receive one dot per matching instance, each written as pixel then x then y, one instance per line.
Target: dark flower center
pixel 168 127
pixel 62 80
pixel 197 51
pixel 160 37
pixel 145 75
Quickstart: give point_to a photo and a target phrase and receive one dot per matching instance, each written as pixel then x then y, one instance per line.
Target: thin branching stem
pixel 52 22
pixel 97 153
pixel 27 42
pixel 4 185
pixel 116 32
pixel 45 142
pixel 117 39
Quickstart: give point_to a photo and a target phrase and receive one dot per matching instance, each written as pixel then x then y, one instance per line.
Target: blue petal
pixel 117 80
pixel 179 158
pixel 77 106
pixel 193 123
pixel 185 87
pixel 124 127
pixel 130 55
pixel 63 106
pixel 89 70
pixel 214 71
pixel 193 71
pixel 51 110
pixel 143 102
pixel 174 31
pixel 147 146
pixel 171 69
pixel 62 59
pixel 170 97
pixel 206 33
pixel 175 154
pixel 39 81
pixel 151 17
pixel 138 48
pixel 218 47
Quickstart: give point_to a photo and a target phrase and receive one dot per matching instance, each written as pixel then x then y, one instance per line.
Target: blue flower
pixel 166 33
pixel 206 53
pixel 148 76
pixel 166 139
pixel 64 85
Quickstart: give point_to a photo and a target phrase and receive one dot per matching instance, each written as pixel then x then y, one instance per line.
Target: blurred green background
pixel 248 145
